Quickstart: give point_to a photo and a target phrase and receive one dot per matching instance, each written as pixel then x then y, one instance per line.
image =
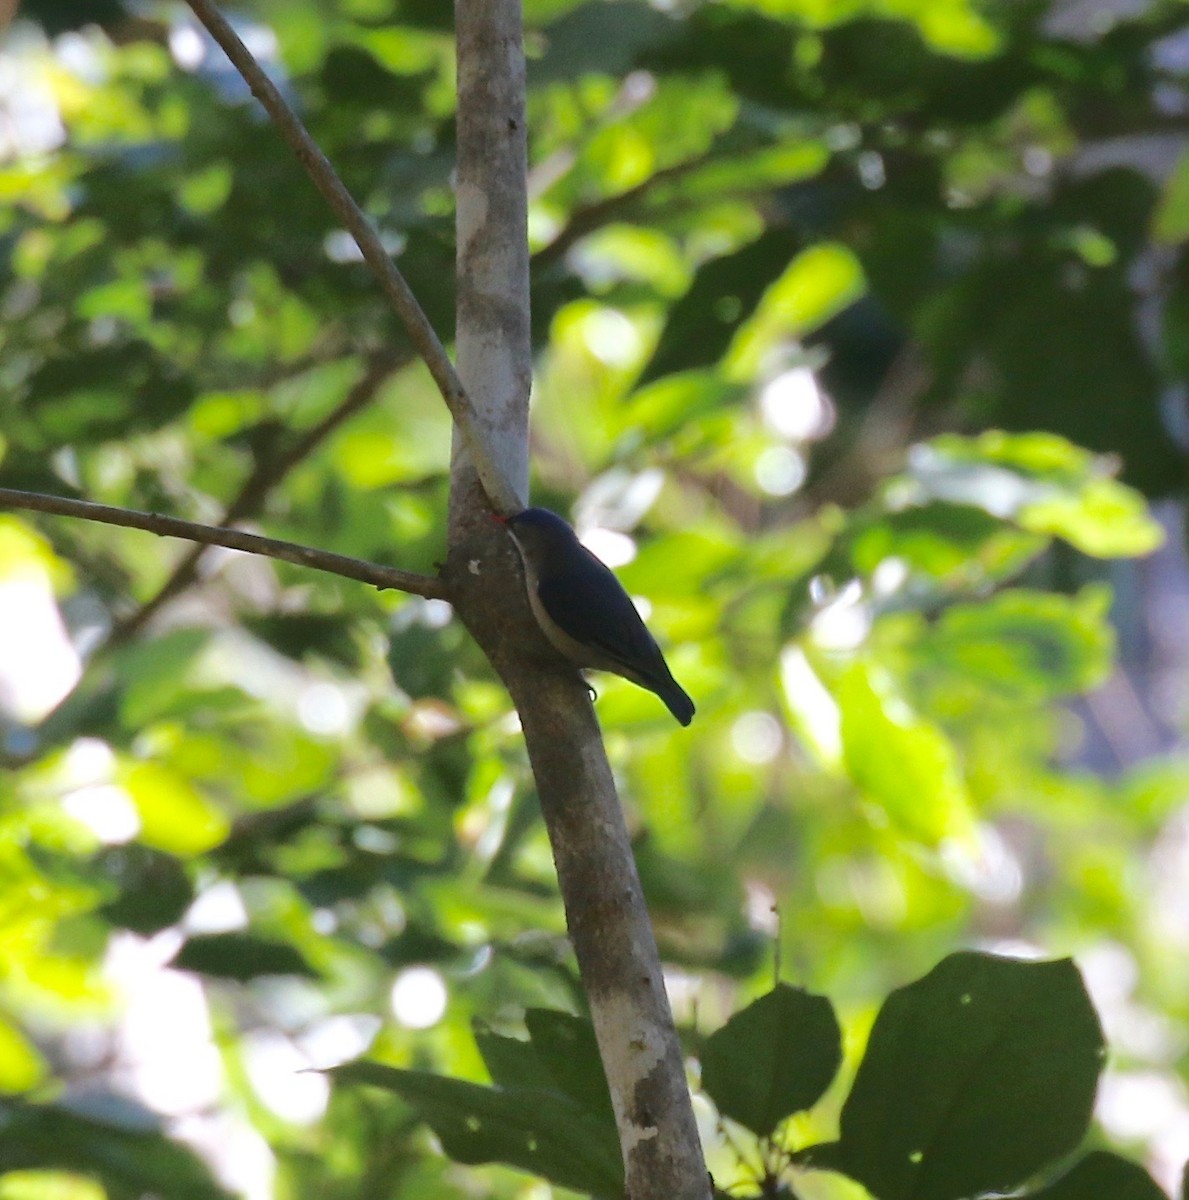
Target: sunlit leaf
pixel 174 815
pixel 899 760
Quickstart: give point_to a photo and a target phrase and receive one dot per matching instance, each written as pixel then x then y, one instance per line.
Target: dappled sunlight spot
pixel 643 607
pixel 1147 1106
pixel 187 46
pixel 618 499
pixel 374 840
pixel 431 720
pixel 238 1154
pixel 763 914
pixel 106 810
pixel 611 337
pixel 614 548
pixel 282 1077
pixel 984 865
pixel 38 664
pixel 436 613
pixel 484 824
pixel 814 711
pixel 843 621
pixel 1170 870
pixel 794 406
pixel 324 709
pixel 340 246
pixel 684 990
pixel 889 576
pixel 167 1056
pixel 87 761
pixel 1112 976
pixel 756 737
pixel 419 998
pixel 217 909
pixel 509 725
pixel 30 120
pixel 872 172
pixel 1013 948
pixel 338 1039
pixel 779 471
pixel 235 658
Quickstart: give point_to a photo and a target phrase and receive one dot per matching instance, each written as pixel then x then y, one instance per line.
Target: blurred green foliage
pixel 845 318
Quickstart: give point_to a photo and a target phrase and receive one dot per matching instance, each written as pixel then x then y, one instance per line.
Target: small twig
pixel 499 491
pixel 584 221
pixel 268 473
pixel 234 539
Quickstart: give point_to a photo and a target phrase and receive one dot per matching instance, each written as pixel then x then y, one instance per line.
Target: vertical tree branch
pixel 607 919
pixel 492 335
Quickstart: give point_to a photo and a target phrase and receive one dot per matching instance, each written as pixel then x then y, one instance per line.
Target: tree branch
pixel 252 494
pixel 605 910
pixel 234 539
pixel 500 492
pixel 586 220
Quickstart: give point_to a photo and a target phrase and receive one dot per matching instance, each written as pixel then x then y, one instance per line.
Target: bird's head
pixel 544 538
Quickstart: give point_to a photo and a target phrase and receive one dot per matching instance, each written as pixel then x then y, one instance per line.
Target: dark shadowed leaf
pixel 154 888
pixel 511 1062
pixel 537 1130
pixel 975 1077
pixel 1102 1176
pixel 723 294
pixel 566 1047
pixel 774 1058
pixel 117 1142
pixel 241 956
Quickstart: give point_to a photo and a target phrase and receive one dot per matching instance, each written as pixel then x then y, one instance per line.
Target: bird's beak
pixel 498 519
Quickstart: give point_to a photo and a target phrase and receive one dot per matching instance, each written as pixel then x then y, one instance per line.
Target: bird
pixel 583 610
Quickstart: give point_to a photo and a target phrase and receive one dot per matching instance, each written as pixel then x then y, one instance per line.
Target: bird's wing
pixel 613 625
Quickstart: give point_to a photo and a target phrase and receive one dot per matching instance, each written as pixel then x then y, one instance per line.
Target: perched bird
pixel 583 610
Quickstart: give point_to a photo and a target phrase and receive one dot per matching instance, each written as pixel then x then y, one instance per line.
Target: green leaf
pixel 1103 518
pixel 241 956
pixel 126 1151
pixel 975 1077
pixel 723 294
pixel 1029 645
pixel 1170 221
pixel 1043 482
pixel 537 1130
pixel 154 889
pixel 1102 1176
pixel 511 1062
pixel 902 761
pixel 815 286
pixel 566 1047
pixel 773 1058
pixel 21 1067
pixel 174 815
pixel 107 392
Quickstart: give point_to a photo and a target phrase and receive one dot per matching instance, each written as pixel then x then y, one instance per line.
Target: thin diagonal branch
pixel 499 491
pixel 234 539
pixel 587 220
pixel 256 487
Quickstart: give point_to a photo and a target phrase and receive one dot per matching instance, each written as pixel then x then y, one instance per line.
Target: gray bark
pixel 607 919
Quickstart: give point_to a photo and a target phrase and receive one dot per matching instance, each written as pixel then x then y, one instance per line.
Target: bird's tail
pixel 675 698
